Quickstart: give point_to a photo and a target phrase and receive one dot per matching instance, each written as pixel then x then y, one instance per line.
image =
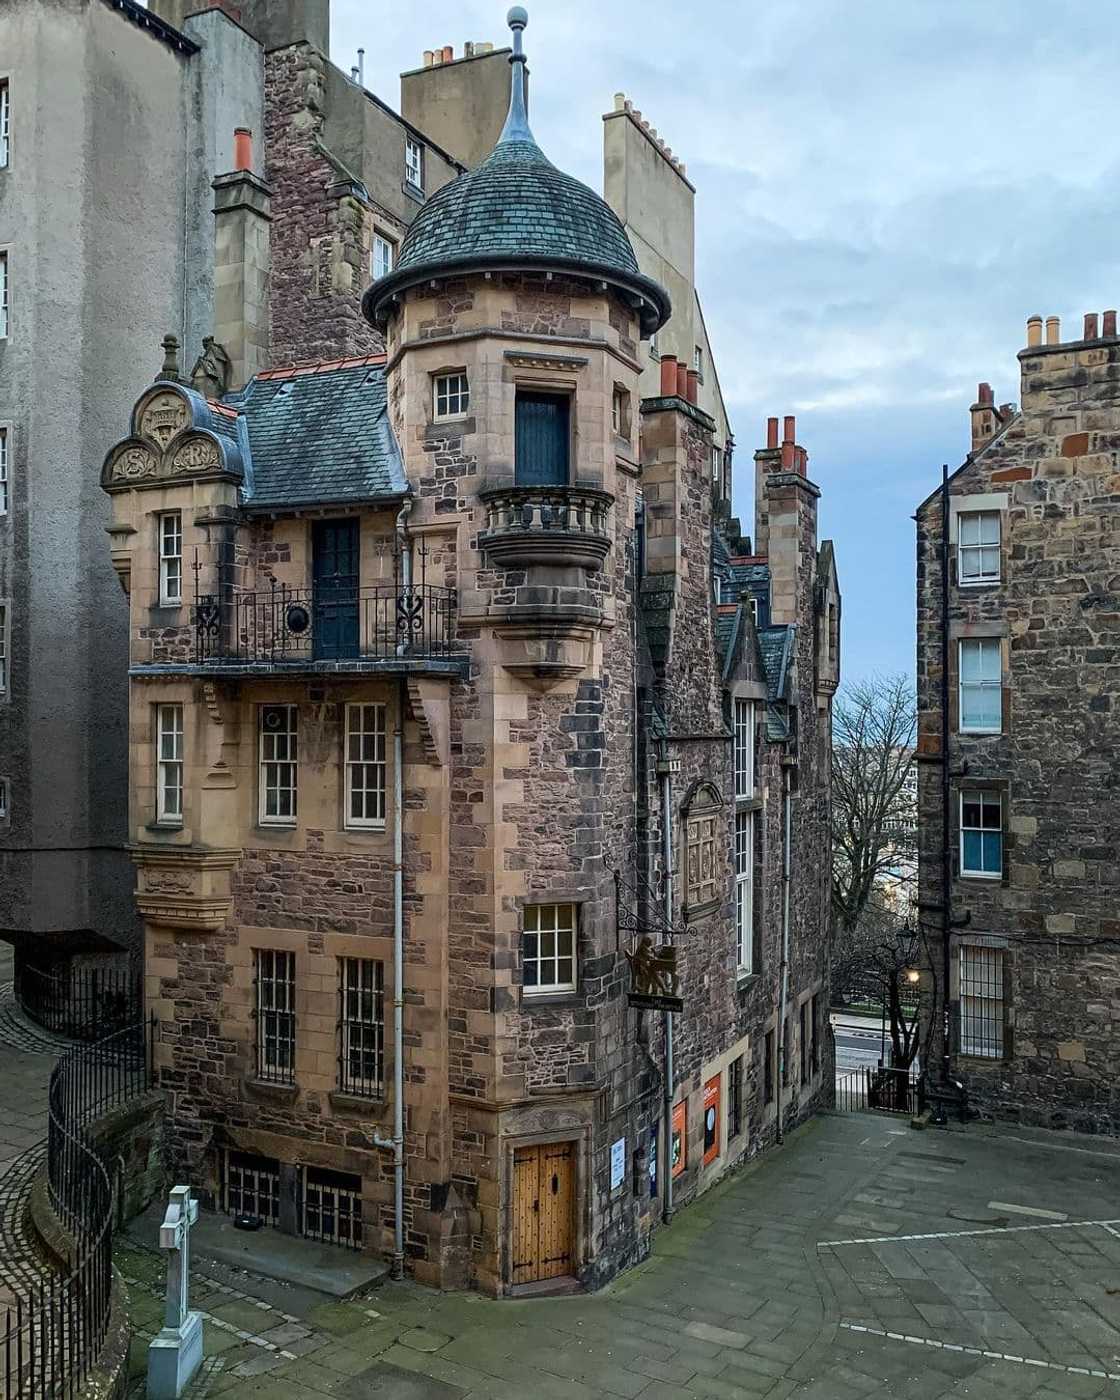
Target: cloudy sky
pixel 886 190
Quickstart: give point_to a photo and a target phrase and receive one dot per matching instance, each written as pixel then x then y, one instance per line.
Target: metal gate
pixel 878 1089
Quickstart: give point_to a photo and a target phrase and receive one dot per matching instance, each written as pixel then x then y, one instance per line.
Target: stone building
pixel 1018 608
pixel 132 119
pixel 481 698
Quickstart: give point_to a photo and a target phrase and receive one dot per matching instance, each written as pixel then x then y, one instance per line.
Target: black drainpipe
pixel 946 920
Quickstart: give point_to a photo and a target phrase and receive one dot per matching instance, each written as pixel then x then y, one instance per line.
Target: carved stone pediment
pixel 172 438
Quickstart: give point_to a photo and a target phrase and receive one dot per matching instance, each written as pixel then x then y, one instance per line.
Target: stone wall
pixel 1052 472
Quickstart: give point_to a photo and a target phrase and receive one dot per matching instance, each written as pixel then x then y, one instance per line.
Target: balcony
pixel 334 626
pixel 564 526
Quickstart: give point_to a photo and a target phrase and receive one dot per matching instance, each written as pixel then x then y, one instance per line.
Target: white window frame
pixel 4 648
pixel 366 765
pixel 378 243
pixel 5 123
pixel 698 360
pixel 414 163
pixel 981 686
pixel 5 305
pixel 973 551
pixel 744 747
pixel 170 526
pixel 557 925
pixel 5 478
pixel 744 892
pixel 279 767
pixel 451 394
pixel 979 1008
pixel 986 797
pixel 3 799
pixel 618 411
pixel 169 764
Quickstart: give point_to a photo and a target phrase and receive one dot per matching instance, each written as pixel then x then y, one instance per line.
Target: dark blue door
pixel 334 554
pixel 542 441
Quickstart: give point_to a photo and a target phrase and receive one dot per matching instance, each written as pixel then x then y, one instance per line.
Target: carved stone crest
pixel 164 415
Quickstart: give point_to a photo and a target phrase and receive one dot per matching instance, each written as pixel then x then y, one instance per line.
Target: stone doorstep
pixel 323 1268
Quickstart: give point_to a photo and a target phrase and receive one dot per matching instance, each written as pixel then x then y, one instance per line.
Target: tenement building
pixel 1018 610
pixel 480 766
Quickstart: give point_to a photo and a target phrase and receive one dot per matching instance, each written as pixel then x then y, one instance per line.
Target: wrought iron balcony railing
pixel 334 621
pixel 563 525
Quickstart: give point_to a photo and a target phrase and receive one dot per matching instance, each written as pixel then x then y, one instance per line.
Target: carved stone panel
pixel 164 415
pixel 195 455
pixel 134 464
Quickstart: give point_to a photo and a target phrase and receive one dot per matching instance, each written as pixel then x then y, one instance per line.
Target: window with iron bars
pixel 276 1017
pixel 253 1186
pixel 332 1207
pixel 981 1002
pixel 361 1027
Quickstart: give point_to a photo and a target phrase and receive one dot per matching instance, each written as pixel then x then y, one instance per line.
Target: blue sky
pixel 885 192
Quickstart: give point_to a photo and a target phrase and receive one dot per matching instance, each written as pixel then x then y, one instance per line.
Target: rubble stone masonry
pixel 1051 472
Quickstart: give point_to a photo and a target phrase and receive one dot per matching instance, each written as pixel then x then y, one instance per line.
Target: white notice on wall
pixel 618 1162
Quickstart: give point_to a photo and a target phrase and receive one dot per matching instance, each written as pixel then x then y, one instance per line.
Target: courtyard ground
pixel 862 1259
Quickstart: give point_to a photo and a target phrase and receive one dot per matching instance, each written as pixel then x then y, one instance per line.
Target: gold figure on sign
pixel 654 970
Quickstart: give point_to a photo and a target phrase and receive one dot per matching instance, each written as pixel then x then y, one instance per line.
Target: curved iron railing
pixel 53 1334
pixel 80 1003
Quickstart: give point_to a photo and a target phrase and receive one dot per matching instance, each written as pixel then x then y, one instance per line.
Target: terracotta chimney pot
pixel 1090 332
pixel 692 386
pixel 682 380
pixel 789 431
pixel 668 376
pixel 1034 331
pixel 242 148
pixel 1053 330
pixel 1109 327
pixel 771 432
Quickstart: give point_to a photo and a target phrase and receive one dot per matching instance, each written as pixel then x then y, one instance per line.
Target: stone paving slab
pixel 760 1289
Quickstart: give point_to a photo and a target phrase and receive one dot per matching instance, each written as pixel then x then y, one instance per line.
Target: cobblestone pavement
pixel 27 1055
pixel 862 1261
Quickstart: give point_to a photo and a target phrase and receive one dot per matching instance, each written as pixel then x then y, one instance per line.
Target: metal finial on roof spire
pixel 517 120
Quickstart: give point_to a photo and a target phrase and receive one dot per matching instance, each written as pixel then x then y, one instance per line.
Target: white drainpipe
pixel 785 946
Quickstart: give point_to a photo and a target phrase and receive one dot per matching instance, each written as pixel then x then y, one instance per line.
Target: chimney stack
pixel 242 214
pixel 986 418
pixel 785 527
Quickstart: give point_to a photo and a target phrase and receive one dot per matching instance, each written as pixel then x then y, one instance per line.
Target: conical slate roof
pixel 517 211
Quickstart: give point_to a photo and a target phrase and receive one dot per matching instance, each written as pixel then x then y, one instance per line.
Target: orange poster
pixel 677 1155
pixel 711 1120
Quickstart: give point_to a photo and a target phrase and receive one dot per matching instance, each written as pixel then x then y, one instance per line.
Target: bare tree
pixel 882 962
pixel 873 827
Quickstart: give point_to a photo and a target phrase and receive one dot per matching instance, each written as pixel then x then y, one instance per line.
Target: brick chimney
pixel 785 520
pixel 242 214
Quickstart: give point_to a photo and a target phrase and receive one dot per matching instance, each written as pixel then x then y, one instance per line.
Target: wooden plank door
pixel 334 554
pixel 543 1199
pixel 542 443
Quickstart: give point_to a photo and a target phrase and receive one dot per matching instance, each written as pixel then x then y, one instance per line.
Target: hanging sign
pixel 655 984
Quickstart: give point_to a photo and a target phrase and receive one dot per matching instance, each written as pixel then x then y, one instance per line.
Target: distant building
pixel 1018 611
pixel 480 743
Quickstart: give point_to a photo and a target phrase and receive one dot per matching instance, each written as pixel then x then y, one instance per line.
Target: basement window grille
pixel 332 1207
pixel 253 1186
pixel 361 1024
pixel 981 1009
pixel 276 1019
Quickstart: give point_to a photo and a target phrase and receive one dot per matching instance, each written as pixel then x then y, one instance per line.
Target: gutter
pixel 787 767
